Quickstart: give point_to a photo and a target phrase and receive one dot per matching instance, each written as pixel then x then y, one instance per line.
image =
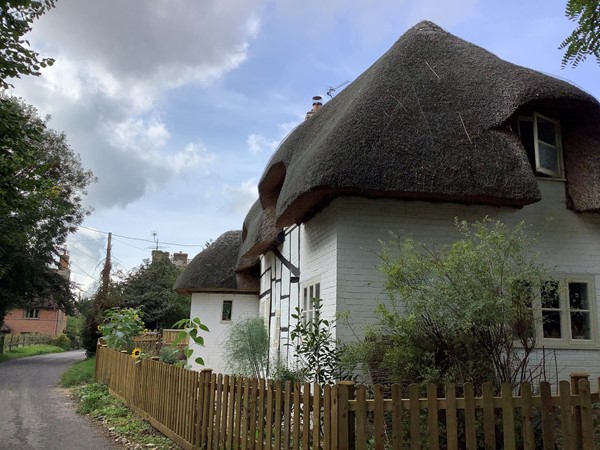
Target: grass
pixel 32 350
pixel 81 372
pixel 95 400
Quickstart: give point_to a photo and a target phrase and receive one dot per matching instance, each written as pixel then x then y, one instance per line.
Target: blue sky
pixel 177 106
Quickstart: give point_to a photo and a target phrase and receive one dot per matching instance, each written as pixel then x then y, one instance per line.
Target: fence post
pixel 343 416
pixel 577 431
pixel 1 344
pixel 205 376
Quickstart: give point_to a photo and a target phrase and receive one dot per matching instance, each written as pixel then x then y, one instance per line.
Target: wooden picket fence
pixel 202 410
pixel 11 341
pixel 170 335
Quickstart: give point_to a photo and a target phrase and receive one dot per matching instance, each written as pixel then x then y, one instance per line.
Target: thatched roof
pixel 430 120
pixel 213 269
pixel 258 233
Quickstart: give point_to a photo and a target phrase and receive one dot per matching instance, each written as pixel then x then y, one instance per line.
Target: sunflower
pixel 136 353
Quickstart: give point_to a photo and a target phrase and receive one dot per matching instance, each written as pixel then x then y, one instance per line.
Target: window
pixel 310 293
pixel 567 311
pixel 226 310
pixel 541 138
pixel 32 314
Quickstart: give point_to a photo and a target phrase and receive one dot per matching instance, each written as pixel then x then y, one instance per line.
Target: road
pixel 35 414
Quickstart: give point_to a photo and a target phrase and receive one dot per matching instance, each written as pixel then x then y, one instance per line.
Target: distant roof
pixel 213 269
pixel 428 120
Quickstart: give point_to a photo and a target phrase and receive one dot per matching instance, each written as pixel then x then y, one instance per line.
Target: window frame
pixel 567 340
pixel 35 314
pixel 223 319
pixel 308 310
pixel 539 169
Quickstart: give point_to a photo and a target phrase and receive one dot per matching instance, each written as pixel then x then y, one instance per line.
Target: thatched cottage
pixel 436 129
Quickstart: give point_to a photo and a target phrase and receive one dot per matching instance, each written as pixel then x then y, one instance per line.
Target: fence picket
pixel 206 410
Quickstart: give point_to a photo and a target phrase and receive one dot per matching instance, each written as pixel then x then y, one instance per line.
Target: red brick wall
pixel 49 322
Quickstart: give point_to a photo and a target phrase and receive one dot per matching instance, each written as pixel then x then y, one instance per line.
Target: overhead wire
pixel 141 239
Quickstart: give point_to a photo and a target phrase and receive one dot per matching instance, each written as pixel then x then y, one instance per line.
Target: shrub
pixel 120 326
pixel 62 341
pixel 170 354
pixel 247 348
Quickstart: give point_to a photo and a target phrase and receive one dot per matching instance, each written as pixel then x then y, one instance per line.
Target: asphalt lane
pixel 36 414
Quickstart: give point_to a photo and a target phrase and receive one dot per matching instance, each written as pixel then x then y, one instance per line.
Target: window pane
pixel 578 296
pixel 546 131
pixel 580 325
pixel 551 324
pixel 318 290
pixel 226 313
pixel 550 296
pixel 548 157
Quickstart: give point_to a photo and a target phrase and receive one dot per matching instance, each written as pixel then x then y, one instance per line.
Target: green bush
pixel 62 341
pixel 92 397
pixel 169 354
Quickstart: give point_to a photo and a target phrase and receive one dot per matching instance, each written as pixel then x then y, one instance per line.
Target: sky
pixel 177 106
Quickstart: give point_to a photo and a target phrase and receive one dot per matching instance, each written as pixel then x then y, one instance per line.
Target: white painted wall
pixel 569 244
pixel 208 307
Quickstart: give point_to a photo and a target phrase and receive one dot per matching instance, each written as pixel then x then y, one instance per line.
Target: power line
pixel 141 239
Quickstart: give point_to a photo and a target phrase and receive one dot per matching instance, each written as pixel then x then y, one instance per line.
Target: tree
pixel 585 39
pixel 459 313
pixel 41 186
pixel 247 348
pixel 150 288
pixel 16 58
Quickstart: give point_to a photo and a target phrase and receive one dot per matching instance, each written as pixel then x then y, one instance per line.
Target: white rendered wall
pixel 569 244
pixel 312 249
pixel 208 307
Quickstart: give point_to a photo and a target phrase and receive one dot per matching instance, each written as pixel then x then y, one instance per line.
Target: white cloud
pixel 115 61
pixel 240 198
pixel 257 143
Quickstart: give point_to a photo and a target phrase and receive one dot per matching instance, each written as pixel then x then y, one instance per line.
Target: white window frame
pixel 536 144
pixel 309 292
pixel 230 311
pixel 566 340
pixel 35 313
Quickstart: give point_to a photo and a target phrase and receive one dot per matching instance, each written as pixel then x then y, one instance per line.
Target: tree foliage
pixel 461 312
pixel 247 348
pixel 16 58
pixel 585 39
pixel 150 288
pixel 317 352
pixel 41 186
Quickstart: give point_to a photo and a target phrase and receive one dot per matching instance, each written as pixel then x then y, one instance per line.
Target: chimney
pixel 180 259
pixel 64 264
pixel 158 255
pixel 315 106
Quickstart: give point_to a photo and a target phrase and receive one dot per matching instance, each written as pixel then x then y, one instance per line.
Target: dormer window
pixel 541 138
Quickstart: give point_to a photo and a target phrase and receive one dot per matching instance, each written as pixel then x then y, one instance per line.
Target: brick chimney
pixel 315 106
pixel 64 266
pixel 180 259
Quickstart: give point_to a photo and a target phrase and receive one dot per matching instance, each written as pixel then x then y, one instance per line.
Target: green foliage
pixel 191 328
pixel 120 326
pixel 16 58
pixel 585 39
pixel 150 288
pixel 458 313
pixel 32 350
pixel 41 187
pixel 95 400
pixel 73 330
pixel 316 351
pixel 81 372
pixel 62 341
pixel 247 348
pixel 169 354
pixel 283 373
